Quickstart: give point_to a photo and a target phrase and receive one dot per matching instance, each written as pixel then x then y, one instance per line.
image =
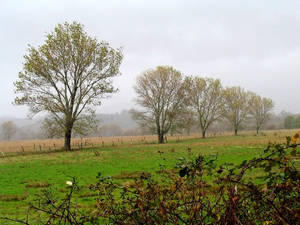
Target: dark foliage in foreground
pixel 198 192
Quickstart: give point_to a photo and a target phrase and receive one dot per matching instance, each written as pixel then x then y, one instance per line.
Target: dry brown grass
pixel 12 198
pixel 56 144
pixel 131 175
pixel 47 145
pixel 37 185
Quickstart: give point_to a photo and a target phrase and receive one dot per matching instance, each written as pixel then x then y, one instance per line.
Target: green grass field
pixel 23 176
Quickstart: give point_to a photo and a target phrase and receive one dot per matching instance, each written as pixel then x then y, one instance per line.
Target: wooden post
pixel 22 149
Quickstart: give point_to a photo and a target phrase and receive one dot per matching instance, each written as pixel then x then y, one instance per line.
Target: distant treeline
pixel 121 124
pixel 292 122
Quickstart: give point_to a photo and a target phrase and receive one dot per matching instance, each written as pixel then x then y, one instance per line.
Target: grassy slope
pixel 18 172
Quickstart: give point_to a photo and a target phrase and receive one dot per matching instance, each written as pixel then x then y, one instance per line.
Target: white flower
pixel 235 189
pixel 69 183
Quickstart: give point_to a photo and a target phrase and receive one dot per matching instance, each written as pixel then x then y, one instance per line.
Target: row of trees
pixel 72 72
pixel 170 101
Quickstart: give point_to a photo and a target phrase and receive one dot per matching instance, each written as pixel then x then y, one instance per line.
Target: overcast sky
pixel 254 44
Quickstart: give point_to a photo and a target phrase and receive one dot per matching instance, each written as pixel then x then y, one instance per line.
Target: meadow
pixel 26 173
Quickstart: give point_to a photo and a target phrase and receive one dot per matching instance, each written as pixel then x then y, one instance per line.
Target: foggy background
pixel 254 44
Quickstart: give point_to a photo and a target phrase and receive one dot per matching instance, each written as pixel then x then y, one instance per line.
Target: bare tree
pixel 236 106
pixel 161 94
pixel 205 97
pixel 67 75
pixel 260 109
pixel 8 129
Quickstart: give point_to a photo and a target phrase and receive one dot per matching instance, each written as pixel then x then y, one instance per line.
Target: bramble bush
pixel 263 190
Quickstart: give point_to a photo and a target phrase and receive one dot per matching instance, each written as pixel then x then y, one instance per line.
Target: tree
pixel 51 129
pixel 184 122
pixel 160 92
pixel 292 122
pixel 260 109
pixel 297 121
pixel 67 75
pixel 8 129
pixel 85 125
pixel 205 97
pixel 236 106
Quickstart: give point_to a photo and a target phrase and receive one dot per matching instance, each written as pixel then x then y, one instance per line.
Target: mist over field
pixel 116 124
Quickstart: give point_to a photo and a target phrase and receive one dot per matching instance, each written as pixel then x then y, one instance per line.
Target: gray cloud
pixel 254 44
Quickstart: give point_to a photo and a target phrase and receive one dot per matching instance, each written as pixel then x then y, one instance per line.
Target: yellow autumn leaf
pixel 172 187
pixel 295 137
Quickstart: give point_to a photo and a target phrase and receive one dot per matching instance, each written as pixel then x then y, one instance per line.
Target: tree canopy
pixel 205 98
pixel 161 94
pixel 260 110
pixel 236 106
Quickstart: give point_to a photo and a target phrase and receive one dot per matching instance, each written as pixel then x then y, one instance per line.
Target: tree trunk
pixel 188 131
pixel 235 131
pixel 203 133
pixel 68 134
pixel 257 129
pixel 160 138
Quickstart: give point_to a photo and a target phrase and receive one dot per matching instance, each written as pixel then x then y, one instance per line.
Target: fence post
pixel 22 149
